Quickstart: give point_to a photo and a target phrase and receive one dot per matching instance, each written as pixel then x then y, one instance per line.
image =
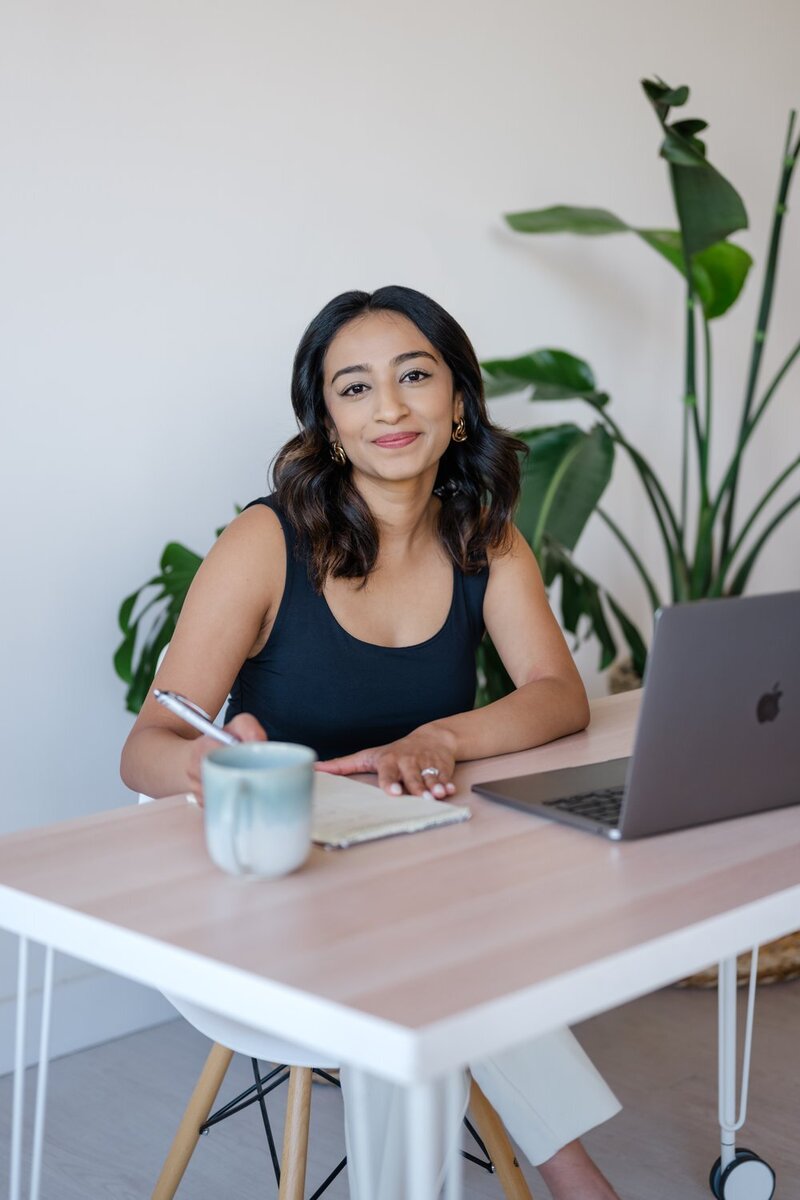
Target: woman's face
pixel 389 396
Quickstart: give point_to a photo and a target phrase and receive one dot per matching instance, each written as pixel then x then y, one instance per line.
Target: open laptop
pixel 718 734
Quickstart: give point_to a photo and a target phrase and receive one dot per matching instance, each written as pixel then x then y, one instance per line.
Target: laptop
pixel 718 734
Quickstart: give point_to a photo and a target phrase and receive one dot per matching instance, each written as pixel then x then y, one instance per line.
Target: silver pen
pixel 194 715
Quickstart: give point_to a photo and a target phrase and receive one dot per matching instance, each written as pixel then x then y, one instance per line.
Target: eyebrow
pixel 364 367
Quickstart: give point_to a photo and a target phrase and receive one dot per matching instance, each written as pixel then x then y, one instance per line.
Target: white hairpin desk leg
pixel 455 1106
pixel 422 1142
pixel 737 1174
pixel 17 1114
pixel 357 1119
pixel 41 1080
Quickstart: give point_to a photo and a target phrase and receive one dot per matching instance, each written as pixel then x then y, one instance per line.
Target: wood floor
pixel 112 1110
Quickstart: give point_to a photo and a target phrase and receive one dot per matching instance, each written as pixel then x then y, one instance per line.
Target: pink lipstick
pixel 394 441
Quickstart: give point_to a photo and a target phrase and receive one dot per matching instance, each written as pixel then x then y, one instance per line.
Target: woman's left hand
pixel 420 764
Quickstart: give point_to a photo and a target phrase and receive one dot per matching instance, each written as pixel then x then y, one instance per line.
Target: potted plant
pixel 710 551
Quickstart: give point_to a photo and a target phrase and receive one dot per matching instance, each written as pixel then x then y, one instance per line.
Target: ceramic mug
pixel 257 798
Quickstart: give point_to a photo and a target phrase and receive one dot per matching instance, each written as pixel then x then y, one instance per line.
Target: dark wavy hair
pixel 478 480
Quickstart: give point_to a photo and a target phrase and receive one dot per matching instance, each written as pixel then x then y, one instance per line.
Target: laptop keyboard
pixel 602 805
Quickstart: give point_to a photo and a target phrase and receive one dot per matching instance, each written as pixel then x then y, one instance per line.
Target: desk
pixel 536 924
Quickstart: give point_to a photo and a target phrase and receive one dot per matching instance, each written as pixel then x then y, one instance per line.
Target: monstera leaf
pixel 165 593
pixel 162 597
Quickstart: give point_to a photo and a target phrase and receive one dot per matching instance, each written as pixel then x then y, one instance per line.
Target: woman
pixel 344 612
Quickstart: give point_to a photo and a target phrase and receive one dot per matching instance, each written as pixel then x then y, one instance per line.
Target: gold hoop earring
pixel 460 432
pixel 337 452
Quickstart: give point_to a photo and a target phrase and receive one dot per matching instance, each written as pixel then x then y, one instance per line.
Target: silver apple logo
pixel 768 706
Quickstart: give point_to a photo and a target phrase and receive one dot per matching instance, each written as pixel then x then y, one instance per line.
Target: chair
pixel 291 1172
pixel 297 1064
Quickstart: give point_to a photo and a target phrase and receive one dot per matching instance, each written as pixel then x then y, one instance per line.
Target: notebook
pixel 347 812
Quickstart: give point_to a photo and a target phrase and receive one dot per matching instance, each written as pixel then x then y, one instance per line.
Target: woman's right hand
pixel 244 726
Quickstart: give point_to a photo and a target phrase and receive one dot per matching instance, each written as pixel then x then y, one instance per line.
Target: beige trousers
pixel 546 1092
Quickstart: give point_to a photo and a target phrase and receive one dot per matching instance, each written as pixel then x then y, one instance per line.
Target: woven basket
pixel 777 962
pixel 622 677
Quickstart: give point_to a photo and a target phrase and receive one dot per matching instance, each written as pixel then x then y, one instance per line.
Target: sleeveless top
pixel 317 684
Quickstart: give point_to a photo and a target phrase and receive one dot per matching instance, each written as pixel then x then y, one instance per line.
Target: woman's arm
pixel 549 700
pixel 229 607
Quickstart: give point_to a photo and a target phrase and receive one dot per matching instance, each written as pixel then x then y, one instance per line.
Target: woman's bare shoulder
pixel 249 556
pixel 513 551
pixel 256 528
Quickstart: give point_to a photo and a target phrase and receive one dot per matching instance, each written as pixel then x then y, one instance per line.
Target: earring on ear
pixel 337 452
pixel 460 431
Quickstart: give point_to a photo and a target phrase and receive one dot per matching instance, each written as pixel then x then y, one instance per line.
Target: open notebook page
pixel 347 812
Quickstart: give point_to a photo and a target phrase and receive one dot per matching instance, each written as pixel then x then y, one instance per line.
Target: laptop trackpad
pixel 525 790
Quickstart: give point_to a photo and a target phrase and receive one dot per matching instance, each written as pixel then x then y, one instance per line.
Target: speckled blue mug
pixel 258 807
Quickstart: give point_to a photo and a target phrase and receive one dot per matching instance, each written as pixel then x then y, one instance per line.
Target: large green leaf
pixel 160 635
pixel 178 563
pixel 709 207
pixel 582 603
pixel 564 476
pixel 167 592
pixel 582 615
pixel 718 272
pixel 632 637
pixel 580 599
pixel 567 218
pixel 552 375
pixel 123 657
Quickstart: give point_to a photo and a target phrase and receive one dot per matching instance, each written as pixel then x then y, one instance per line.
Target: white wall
pixel 185 184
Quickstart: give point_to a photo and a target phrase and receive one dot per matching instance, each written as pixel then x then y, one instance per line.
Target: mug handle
pixel 241 804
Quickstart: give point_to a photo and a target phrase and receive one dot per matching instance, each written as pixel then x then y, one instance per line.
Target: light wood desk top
pixel 422 951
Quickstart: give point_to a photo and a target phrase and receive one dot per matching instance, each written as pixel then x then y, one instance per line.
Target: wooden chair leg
pixel 501 1152
pixel 197 1110
pixel 295 1135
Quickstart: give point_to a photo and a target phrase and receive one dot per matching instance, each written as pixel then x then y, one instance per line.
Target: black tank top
pixel 316 684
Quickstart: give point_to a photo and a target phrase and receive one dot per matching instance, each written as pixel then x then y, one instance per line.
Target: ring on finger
pixel 429 771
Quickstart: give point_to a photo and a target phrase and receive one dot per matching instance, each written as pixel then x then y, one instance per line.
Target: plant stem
pixel 742 575
pixel 690 397
pixel 655 599
pixel 771 391
pixel 703 565
pixel 676 561
pixel 691 407
pixel 684 468
pixel 644 467
pixel 789 162
pixel 708 387
pixel 734 550
pixel 748 432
